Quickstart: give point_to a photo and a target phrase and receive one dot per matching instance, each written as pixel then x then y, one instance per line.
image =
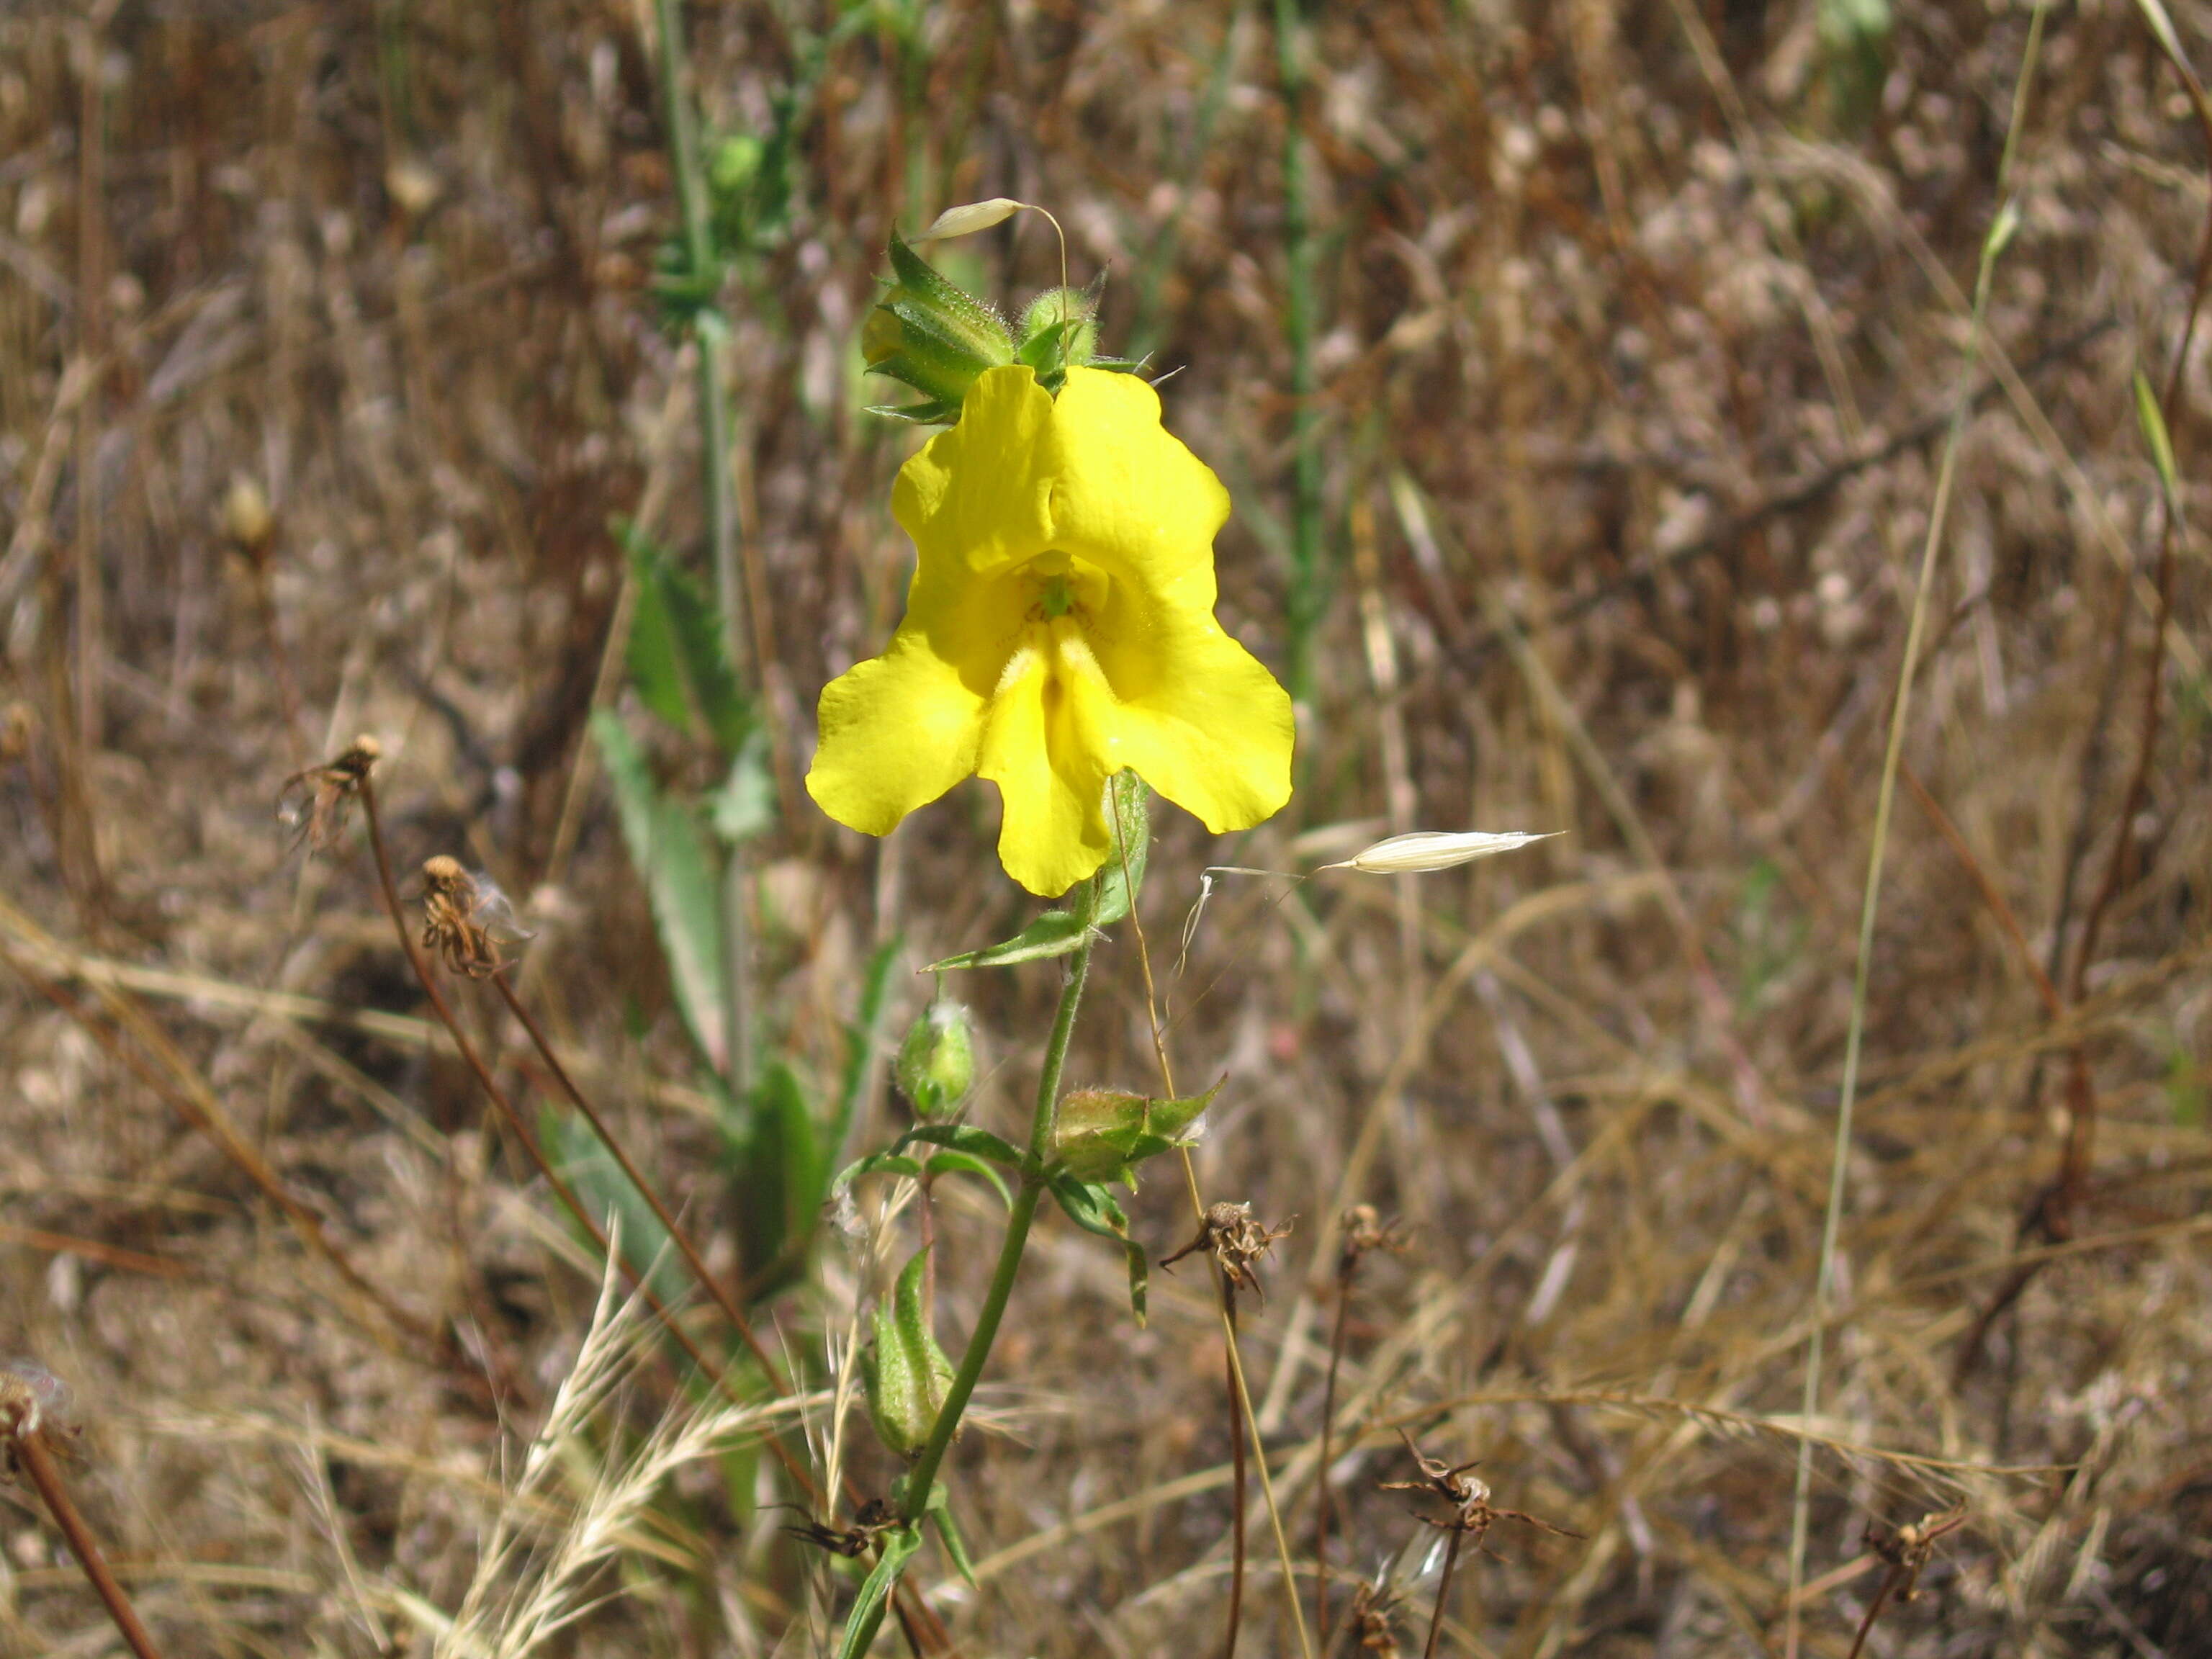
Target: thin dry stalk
pixel 24 1431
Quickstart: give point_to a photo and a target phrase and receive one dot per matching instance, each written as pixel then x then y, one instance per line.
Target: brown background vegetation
pixel 1636 325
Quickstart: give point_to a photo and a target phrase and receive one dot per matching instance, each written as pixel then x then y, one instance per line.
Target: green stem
pixel 923 1475
pixel 1306 597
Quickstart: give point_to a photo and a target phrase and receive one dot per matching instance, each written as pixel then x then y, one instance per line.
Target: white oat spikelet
pixel 1425 850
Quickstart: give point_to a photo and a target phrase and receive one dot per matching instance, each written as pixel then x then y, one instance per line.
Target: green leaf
pixel 963 1138
pixel 863 1038
pixel 899 1546
pixel 744 806
pixel 605 1191
pixel 1054 934
pixel 682 878
pixel 940 1509
pixel 1108 895
pixel 938 1164
pixel 778 1167
pixel 962 1164
pixel 676 631
pixel 890 1164
pixel 2152 419
pixel 1092 1208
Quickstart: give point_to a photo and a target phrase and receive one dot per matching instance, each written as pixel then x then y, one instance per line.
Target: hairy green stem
pixel 923 1475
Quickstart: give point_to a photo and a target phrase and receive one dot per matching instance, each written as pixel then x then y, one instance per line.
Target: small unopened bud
pixel 937 1062
pixel 1058 328
pixel 247 518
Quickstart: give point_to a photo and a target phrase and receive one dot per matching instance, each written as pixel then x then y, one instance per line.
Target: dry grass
pixel 1633 348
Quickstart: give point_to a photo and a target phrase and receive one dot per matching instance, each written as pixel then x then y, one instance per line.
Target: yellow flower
pixel 1060 626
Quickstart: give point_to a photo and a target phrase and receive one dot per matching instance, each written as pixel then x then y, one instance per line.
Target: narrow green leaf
pixel 963 1138
pixel 899 1546
pixel 1092 1208
pixel 962 1164
pixel 2152 419
pixel 683 880
pixel 744 806
pixel 948 1532
pixel 864 1037
pixel 676 635
pixel 890 1164
pixel 1054 934
pixel 652 650
pixel 1108 895
pixel 606 1191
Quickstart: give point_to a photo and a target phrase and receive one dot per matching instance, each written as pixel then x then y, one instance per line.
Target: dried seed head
pixel 1235 1242
pixel 456 910
pixel 32 1399
pixel 1364 1232
pixel 314 802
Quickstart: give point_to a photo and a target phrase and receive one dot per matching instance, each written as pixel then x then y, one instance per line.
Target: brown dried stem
pixel 27 1445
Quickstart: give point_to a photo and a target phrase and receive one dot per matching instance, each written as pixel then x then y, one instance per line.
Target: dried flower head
pixel 1372 1605
pixel 1235 1242
pixel 314 804
pixel 33 1402
pixel 466 918
pixel 1909 1549
pixel 1472 1514
pixel 1364 1232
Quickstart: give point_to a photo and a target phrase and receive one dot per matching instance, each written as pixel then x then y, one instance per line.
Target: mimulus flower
pixel 1058 628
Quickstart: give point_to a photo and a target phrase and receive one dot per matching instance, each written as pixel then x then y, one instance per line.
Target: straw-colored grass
pixel 1635 335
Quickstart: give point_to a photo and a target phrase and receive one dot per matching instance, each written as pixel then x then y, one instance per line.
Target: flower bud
pixel 903 1373
pixel 931 334
pixel 937 1062
pixel 1059 328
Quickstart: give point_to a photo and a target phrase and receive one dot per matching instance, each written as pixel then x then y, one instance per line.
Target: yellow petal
pixel 898 731
pixel 1197 715
pixel 1129 497
pixel 977 498
pixel 1051 835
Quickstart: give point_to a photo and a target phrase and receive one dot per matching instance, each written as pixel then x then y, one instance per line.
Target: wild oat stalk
pixel 1839 1157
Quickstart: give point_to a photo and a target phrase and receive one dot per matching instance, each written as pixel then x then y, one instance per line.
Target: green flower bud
pixel 903 1373
pixel 1059 328
pixel 932 334
pixel 937 1062
pixel 1103 1134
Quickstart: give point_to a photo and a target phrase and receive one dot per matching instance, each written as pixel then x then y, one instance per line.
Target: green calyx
pixel 1103 1134
pixel 903 1373
pixel 933 334
pixel 938 338
pixel 936 1064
